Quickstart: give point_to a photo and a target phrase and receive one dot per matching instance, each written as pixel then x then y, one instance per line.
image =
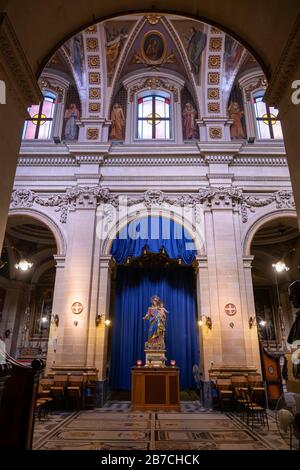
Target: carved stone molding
pixel 286 67
pixel 18 74
pixel 209 198
pixel 152 84
pixel 76 197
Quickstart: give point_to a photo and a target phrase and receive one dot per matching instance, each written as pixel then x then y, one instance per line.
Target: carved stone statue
pixel 189 125
pixel 155 345
pixel 236 129
pixel 117 123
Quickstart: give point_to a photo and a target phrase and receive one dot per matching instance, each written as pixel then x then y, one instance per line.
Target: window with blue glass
pixel 39 124
pixel 267 123
pixel 153 117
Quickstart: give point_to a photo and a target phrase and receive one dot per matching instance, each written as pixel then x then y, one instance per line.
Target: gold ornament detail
pixel 215 132
pixel 154 84
pixel 92 133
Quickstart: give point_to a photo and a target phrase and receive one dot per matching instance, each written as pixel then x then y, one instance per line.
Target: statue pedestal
pixel 155 357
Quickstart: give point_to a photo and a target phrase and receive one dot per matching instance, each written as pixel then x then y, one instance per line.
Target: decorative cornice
pixel 286 67
pixel 209 198
pixel 151 84
pixel 16 68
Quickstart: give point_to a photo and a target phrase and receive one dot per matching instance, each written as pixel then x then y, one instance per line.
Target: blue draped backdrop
pixel 153 233
pixel 134 288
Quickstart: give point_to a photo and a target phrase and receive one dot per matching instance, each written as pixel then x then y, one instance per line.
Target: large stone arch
pixel 259 223
pixel 51 224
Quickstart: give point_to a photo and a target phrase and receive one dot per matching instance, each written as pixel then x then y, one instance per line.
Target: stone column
pixel 228 345
pixel 103 309
pixel 74 283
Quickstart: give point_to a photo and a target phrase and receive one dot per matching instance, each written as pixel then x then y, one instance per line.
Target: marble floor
pixel 115 427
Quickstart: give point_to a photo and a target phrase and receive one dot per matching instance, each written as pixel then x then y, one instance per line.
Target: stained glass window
pixel 39 125
pixel 267 123
pixel 153 120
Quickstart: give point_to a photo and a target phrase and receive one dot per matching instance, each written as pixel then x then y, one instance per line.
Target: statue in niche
pixel 117 122
pixel 157 316
pixel 72 115
pixel 189 116
pixel 236 129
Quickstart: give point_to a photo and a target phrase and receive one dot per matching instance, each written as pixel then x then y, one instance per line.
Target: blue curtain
pixel 134 287
pixel 154 233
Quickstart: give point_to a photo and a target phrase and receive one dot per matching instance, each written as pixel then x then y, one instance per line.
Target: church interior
pixel 150 261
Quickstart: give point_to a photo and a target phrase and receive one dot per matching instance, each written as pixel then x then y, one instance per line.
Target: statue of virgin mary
pixel 156 315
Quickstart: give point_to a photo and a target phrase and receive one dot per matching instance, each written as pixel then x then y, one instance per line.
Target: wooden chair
pixel 255 381
pixel 75 390
pixel 90 384
pixel 60 383
pixel 224 388
pixel 255 413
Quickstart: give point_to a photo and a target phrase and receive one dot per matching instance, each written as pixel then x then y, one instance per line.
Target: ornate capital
pixel 16 69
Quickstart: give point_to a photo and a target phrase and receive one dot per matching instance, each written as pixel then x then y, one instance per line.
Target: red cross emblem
pixel 77 308
pixel 230 309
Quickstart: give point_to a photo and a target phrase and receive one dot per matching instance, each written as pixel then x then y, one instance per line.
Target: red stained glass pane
pixel 167 100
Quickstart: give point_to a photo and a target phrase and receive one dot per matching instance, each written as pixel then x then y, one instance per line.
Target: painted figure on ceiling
pixel 72 115
pixel 236 129
pixel 113 47
pixel 189 124
pixel 196 45
pixel 117 122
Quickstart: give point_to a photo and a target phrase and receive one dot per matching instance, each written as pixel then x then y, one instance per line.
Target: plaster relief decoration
pixel 154 84
pixel 208 198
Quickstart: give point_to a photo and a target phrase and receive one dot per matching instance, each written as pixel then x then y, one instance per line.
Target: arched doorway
pixel 27 279
pixel 160 262
pixel 276 264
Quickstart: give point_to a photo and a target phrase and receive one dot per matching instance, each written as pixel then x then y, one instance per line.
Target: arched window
pixel 39 125
pixel 153 116
pixel 267 124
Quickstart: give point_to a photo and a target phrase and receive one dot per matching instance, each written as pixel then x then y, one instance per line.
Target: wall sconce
pixel 98 319
pixel 107 322
pixel 55 320
pixel 204 320
pixel 253 322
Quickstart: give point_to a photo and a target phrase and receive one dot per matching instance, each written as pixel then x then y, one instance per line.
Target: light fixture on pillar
pixel 254 321
pixel 55 320
pixel 107 322
pixel 204 320
pixel 98 319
